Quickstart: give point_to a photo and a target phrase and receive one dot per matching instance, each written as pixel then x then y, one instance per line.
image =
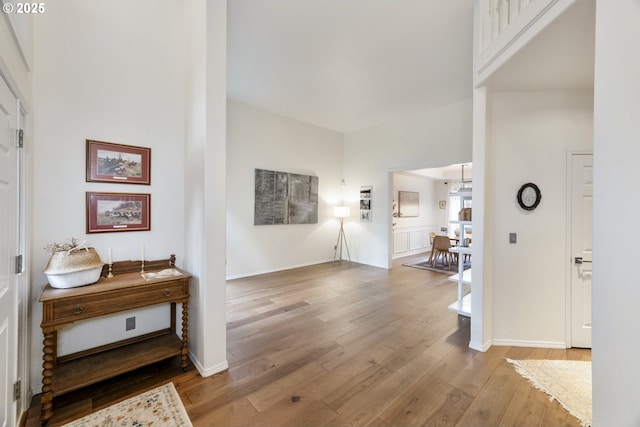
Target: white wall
pixel 616 377
pixel 531 133
pixel 263 140
pixel 411 234
pixel 110 71
pixel 438 137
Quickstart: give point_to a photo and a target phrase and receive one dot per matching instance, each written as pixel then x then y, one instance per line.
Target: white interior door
pixel 581 248
pixel 8 251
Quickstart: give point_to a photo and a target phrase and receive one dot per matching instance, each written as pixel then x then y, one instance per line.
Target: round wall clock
pixel 529 196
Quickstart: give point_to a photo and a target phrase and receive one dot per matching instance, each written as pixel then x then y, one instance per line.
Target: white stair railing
pixel 504 26
pixel 497 15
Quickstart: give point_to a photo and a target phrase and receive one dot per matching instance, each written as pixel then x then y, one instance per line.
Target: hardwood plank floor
pixel 340 344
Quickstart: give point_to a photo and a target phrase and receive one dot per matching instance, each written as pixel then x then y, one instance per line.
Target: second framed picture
pixel 107 212
pixel 125 164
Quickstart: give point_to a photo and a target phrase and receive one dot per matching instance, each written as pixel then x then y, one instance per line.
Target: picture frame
pixel 408 204
pixel 117 212
pixel 365 203
pixel 118 163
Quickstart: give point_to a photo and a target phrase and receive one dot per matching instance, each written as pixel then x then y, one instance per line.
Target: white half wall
pixel 99 75
pixel 258 139
pixel 616 377
pixel 530 135
pixel 438 137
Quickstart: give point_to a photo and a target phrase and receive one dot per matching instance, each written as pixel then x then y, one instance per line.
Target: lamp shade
pixel 341 211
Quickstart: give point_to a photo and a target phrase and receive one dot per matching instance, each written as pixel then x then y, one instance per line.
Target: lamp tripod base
pixel 337 254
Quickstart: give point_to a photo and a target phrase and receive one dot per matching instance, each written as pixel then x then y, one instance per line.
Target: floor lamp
pixel 341 212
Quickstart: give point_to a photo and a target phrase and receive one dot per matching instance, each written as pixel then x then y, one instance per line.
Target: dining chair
pixel 440 249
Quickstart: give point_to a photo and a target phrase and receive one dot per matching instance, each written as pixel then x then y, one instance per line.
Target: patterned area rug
pixel 439 267
pixel 160 407
pixel 567 381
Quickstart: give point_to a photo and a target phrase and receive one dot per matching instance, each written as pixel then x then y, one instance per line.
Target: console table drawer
pixel 85 307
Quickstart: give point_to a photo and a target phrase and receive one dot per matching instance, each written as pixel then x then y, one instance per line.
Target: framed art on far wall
pixel 408 204
pixel 108 212
pixel 365 203
pixel 124 164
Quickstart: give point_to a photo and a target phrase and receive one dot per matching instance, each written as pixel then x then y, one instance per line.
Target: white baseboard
pixel 418 251
pixel 36 389
pixel 479 346
pixel 212 370
pixel 257 273
pixel 524 343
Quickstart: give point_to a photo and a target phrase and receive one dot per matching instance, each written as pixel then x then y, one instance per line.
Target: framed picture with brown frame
pixel 110 212
pixel 124 164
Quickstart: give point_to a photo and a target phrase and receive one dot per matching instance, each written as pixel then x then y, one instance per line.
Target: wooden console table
pixel 127 290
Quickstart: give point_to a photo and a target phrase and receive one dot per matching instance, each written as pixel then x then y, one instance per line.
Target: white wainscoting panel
pixel 416 240
pixel 400 241
pixel 412 240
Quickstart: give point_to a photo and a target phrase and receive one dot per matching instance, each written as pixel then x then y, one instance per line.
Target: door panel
pixel 8 251
pixel 581 248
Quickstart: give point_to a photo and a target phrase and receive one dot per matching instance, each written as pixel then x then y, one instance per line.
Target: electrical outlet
pixel 513 238
pixel 130 323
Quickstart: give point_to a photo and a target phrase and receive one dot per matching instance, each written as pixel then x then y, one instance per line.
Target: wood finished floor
pixel 345 345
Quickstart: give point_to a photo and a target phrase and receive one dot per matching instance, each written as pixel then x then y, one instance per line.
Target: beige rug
pixel 160 407
pixel 567 381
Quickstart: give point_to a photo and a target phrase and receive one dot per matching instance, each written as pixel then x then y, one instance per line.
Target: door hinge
pixel 18 264
pixel 16 390
pixel 20 138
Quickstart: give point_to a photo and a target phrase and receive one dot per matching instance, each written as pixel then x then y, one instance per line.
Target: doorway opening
pixel 427 203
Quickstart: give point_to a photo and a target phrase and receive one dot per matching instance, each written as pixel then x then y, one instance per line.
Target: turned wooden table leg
pixel 185 335
pixel 48 363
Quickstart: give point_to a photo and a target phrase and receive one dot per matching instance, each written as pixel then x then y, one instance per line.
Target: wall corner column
pixel 481 291
pixel 205 180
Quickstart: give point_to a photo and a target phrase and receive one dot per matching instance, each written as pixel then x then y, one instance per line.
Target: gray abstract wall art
pixel 285 198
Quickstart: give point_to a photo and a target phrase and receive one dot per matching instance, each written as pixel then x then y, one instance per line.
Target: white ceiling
pixel 349 64
pixel 452 172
